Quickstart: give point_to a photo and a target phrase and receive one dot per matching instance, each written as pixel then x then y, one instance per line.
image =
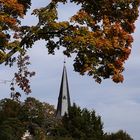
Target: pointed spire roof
pixel 64 97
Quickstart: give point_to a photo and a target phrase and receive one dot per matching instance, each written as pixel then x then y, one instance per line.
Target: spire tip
pixel 64 61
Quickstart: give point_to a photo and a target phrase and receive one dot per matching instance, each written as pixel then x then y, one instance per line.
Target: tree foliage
pixel 99 35
pixel 32 111
pixel 16 117
pixel 120 135
pixel 8 109
pixel 39 118
pixel 11 12
pixel 11 129
pixel 80 124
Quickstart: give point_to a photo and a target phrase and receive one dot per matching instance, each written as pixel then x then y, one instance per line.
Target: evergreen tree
pixel 39 119
pixel 120 135
pixel 81 124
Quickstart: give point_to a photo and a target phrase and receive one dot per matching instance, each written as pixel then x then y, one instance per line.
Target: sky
pixel 117 104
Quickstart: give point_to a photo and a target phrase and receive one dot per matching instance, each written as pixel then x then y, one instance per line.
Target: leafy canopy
pixel 99 34
pixel 11 12
pixel 39 118
pixel 16 117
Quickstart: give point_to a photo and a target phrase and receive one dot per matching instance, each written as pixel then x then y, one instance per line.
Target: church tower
pixel 64 97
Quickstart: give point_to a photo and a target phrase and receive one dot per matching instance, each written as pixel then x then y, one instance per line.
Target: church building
pixel 64 96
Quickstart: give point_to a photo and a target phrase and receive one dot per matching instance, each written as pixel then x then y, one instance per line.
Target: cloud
pixel 118 104
pixel 124 115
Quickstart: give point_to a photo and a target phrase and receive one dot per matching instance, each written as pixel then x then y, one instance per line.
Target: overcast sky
pixel 117 104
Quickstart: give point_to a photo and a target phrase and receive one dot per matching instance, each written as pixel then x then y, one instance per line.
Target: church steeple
pixel 64 97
